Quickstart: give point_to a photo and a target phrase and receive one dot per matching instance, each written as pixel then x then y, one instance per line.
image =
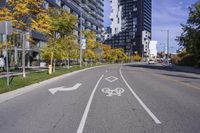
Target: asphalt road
pixel 138 98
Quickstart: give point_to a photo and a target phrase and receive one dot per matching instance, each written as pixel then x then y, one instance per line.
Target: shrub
pixel 188 60
pixel 175 59
pixel 182 54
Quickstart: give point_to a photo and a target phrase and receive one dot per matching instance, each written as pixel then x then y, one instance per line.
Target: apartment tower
pixel 130 18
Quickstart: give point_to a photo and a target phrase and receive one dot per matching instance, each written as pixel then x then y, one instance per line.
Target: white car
pixel 151 61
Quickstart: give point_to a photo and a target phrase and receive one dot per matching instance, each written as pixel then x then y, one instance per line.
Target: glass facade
pixel 134 16
pixel 89 12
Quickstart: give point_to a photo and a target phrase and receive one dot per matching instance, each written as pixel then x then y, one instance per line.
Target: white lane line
pixel 84 117
pixel 157 121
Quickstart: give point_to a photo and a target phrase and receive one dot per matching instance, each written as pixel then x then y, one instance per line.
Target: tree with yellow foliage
pixel 63 22
pixel 113 55
pixel 89 53
pixel 94 49
pixel 26 15
pixel 118 55
pixel 69 48
pixel 60 47
pixel 98 51
pixel 107 50
pixel 136 57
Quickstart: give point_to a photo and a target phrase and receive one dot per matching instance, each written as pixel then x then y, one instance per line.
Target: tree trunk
pixel 51 63
pixel 54 65
pixel 65 62
pixel 68 61
pixel 16 56
pixel 68 65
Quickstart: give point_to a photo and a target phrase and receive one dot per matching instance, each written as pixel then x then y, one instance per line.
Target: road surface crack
pixel 57 122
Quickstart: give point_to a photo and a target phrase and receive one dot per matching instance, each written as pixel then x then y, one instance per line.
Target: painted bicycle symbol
pixel 115 92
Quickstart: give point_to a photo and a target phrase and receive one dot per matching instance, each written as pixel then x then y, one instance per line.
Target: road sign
pixel 6 28
pixel 83 43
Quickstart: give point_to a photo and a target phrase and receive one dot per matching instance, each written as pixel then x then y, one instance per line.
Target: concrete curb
pixel 12 94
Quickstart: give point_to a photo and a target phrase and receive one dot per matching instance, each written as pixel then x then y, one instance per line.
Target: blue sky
pixel 166 14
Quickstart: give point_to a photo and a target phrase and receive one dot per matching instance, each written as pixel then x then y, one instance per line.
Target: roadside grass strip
pixel 17 82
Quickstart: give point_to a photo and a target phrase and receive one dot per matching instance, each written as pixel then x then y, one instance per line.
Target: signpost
pixel 83 43
pixel 6 29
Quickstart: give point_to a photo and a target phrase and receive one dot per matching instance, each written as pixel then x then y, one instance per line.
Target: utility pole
pixel 80 38
pixel 163 47
pixel 167 47
pixel 6 29
pixel 167 44
pixel 7 66
pixel 23 54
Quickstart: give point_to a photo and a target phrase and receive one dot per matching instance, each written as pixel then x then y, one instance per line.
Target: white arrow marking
pixel 63 88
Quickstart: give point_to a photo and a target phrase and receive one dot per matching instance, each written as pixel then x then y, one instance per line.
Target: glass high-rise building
pixel 130 18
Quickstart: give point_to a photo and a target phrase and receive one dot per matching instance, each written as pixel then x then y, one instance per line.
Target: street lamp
pixel 167 31
pixel 80 40
pixel 6 40
pixel 6 29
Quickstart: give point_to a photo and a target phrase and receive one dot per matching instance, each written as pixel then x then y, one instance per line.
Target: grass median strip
pixel 17 82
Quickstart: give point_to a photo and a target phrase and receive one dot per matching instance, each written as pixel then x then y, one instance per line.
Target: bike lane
pixel 114 109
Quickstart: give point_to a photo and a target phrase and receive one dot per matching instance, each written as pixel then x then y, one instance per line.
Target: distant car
pixel 151 61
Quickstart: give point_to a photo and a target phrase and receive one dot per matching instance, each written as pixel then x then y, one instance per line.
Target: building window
pixel 45 5
pixel 58 2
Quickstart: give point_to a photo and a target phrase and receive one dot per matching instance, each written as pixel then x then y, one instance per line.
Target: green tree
pixel 190 37
pixel 63 22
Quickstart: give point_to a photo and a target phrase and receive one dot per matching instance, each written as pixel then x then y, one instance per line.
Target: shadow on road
pixel 181 76
pixel 168 68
